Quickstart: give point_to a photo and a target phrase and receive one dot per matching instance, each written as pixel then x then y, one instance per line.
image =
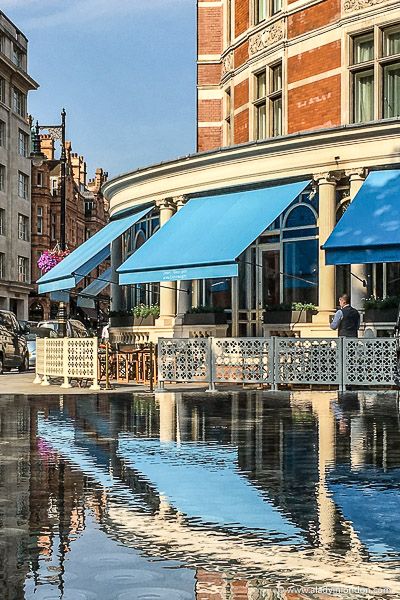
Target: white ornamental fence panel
pixel 369 361
pixel 308 361
pixel 242 360
pixel 184 360
pixel 67 358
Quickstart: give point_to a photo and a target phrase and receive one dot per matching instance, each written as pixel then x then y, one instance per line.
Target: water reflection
pixel 185 496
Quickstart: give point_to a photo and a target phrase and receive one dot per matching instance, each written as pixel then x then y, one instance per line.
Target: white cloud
pixel 41 14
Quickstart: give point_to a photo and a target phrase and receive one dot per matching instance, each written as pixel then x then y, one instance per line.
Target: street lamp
pixel 56 132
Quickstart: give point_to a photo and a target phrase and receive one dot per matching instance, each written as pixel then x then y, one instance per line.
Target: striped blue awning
pixel 206 237
pixel 369 231
pixel 70 271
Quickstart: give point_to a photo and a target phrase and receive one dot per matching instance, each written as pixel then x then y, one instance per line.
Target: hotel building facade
pixel 302 93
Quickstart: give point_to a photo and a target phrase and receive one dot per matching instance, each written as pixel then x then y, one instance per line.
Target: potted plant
pixel 297 312
pixel 145 315
pixel 381 310
pixel 205 315
pixel 121 318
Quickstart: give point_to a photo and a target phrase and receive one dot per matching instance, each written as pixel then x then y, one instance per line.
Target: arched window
pixel 300 255
pixel 36 312
pixel 300 216
pixel 140 239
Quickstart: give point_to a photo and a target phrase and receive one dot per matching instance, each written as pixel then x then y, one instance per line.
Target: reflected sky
pixel 183 496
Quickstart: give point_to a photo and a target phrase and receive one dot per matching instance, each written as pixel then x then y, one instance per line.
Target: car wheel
pixel 24 366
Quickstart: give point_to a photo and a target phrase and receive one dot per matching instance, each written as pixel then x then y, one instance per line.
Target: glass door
pixel 268 269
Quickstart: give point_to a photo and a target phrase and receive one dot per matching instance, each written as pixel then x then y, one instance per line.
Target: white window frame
pixel 23 185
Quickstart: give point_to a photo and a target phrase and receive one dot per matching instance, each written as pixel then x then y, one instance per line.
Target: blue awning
pixel 85 297
pixel 369 231
pixel 206 237
pixel 70 271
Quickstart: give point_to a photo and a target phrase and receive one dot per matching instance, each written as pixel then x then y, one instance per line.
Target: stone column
pixel 357 291
pixel 167 288
pixel 326 223
pixel 184 288
pixel 117 294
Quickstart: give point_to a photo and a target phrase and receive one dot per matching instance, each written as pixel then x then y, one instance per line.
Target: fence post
pixel 66 383
pixel 210 361
pixel 161 383
pixel 342 364
pixel 96 384
pixel 275 358
pixel 37 375
pixel 45 379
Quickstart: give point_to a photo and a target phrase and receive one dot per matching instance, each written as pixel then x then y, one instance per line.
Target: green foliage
pixel 294 306
pixel 143 311
pixel 303 306
pixel 381 303
pixel 205 309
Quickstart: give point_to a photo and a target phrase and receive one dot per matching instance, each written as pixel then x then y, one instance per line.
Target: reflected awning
pixel 369 231
pixel 87 295
pixel 204 483
pixel 70 271
pixel 205 238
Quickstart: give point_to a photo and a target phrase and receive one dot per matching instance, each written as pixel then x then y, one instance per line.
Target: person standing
pixel 346 319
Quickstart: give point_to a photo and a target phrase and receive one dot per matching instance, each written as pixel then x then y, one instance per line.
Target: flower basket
pixel 283 317
pixel 380 315
pixel 206 318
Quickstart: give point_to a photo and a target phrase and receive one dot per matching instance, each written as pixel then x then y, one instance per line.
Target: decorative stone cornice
pixel 180 201
pixel 227 63
pixel 354 5
pixel 267 37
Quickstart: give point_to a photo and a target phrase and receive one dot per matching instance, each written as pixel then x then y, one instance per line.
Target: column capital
pixel 327 177
pixel 166 203
pixel 180 201
pixel 356 174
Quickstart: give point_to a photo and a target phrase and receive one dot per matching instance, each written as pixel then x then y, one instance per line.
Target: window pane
pixel 276 79
pixel 276 6
pixel 391 91
pixel 261 85
pixel 277 116
pixel 261 122
pixel 300 217
pixel 300 260
pixel 261 10
pixel 363 96
pixel 391 43
pixel 363 48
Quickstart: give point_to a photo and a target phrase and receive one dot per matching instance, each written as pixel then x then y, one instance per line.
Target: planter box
pixel 123 321
pixel 131 321
pixel 144 321
pixel 204 318
pixel 280 317
pixel 376 315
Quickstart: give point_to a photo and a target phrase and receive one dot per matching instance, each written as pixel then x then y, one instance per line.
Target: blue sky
pixel 124 70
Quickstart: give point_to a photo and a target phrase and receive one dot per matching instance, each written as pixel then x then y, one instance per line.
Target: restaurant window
pixel 375 73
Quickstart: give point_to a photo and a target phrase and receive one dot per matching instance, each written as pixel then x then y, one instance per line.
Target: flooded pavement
pixel 249 495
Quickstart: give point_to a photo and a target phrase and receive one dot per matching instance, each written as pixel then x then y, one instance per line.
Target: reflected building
pixel 245 489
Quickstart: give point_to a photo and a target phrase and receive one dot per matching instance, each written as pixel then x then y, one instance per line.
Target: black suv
pixel 13 347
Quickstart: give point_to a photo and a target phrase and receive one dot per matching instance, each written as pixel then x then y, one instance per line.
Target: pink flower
pixel 50 258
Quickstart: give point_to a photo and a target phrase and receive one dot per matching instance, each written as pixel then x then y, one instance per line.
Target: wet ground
pixel 247 495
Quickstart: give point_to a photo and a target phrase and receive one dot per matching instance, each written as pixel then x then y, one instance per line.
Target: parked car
pixel 37 332
pixel 13 346
pixel 75 328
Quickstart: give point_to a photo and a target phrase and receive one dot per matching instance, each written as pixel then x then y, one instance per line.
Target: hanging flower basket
pixel 50 258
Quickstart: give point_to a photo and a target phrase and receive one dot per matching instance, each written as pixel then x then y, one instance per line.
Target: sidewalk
pixel 14 382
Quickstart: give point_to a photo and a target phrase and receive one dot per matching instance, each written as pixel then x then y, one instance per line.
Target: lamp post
pixel 56 132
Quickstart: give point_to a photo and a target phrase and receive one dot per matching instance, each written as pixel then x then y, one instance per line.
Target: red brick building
pixel 275 67
pixel 86 211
